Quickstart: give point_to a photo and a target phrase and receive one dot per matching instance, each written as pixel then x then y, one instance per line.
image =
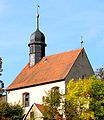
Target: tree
pixel 84 99
pixel 100 73
pixel 1 82
pixel 11 112
pixel 0 66
pixel 97 102
pixel 51 104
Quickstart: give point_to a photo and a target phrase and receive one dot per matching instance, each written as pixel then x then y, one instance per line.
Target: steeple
pixel 37 44
pixel 37 17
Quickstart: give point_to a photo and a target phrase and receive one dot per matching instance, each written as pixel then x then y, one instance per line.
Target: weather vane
pixel 81 41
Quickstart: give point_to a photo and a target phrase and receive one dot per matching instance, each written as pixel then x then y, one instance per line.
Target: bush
pixel 11 112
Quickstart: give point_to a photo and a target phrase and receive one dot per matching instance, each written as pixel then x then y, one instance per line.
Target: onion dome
pixel 37 37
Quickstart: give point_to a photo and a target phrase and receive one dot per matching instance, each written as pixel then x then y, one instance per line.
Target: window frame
pixel 26 99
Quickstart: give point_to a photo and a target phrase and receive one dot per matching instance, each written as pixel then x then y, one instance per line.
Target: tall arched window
pixel 26 99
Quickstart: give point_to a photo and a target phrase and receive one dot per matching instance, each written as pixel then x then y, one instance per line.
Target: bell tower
pixel 37 44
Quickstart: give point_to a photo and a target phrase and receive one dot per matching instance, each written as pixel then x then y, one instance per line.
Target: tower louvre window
pixel 38 48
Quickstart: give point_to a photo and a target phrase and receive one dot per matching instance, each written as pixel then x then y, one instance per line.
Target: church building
pixel 42 72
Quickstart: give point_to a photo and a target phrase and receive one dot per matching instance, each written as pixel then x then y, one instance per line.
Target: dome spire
pixel 37 17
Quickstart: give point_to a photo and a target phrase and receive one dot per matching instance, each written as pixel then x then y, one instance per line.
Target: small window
pixel 83 76
pixel 82 54
pixel 26 99
pixel 32 116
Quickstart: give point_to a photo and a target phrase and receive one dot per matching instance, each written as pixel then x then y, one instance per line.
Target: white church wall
pixel 36 93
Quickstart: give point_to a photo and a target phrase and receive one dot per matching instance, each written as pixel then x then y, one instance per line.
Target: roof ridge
pixel 62 52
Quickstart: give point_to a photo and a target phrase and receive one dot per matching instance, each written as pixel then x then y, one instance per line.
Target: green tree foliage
pixel 11 112
pixel 51 103
pixel 0 65
pixel 84 99
pixel 97 102
pixel 100 73
pixel 1 82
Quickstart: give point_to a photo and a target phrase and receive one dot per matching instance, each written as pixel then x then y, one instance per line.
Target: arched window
pixel 55 88
pixel 26 99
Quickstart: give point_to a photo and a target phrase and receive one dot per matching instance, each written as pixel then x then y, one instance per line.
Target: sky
pixel 62 21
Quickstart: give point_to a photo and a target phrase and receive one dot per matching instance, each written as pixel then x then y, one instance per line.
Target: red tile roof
pixel 49 69
pixel 40 107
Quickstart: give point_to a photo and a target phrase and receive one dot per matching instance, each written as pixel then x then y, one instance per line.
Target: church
pixel 42 73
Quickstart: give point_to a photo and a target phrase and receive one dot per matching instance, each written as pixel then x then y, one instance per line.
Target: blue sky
pixel 62 21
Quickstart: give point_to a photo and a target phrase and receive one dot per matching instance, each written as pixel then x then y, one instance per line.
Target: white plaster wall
pixel 38 115
pixel 36 93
